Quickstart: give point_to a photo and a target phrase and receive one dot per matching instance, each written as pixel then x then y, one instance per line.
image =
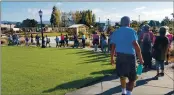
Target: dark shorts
pixel 126 66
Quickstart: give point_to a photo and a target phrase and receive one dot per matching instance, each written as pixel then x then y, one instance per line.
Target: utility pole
pixel 139 19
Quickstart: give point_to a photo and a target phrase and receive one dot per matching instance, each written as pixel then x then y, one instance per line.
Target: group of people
pixel 13 39
pixel 126 45
pixel 103 41
pixel 63 40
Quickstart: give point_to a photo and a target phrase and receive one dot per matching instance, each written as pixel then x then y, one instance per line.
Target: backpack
pixel 146 43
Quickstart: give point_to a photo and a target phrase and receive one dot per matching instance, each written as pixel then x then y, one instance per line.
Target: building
pixel 76 28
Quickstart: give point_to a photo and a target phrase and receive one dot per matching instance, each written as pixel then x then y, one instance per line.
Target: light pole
pixel 40 14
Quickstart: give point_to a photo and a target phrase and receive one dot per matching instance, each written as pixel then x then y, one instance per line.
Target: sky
pixel 18 11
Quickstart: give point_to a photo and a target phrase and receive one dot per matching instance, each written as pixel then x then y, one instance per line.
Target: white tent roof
pixel 76 25
pixel 16 29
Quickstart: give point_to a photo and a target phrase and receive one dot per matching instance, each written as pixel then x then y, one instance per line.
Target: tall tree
pixel 93 19
pixel 29 23
pixel 152 23
pixel 163 23
pixel 18 25
pixel 55 19
pixel 134 23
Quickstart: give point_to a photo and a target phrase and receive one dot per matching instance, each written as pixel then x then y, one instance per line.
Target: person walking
pixel 83 40
pixel 31 39
pixel 17 40
pixel 170 38
pixel 66 40
pixel 125 49
pixel 76 42
pixel 146 43
pixel 95 41
pixel 47 41
pixel 37 38
pixel 62 40
pixel 109 45
pixel 103 43
pixel 57 41
pixel 160 50
pixel 26 41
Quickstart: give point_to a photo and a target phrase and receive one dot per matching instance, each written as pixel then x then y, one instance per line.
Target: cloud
pixel 157 14
pixel 96 10
pixel 58 4
pixel 104 15
pixel 139 9
pixel 33 13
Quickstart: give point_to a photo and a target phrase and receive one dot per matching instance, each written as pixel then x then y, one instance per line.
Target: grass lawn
pixel 49 71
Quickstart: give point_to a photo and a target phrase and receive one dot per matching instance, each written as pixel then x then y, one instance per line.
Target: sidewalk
pixel 145 85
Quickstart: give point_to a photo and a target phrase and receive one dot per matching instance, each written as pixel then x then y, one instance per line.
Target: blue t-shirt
pixel 123 38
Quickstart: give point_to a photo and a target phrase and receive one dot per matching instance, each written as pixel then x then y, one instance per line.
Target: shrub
pixel 4 41
pixel 22 40
pixel 172 53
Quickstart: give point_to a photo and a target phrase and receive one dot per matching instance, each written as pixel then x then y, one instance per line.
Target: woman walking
pixel 103 43
pixel 31 39
pixel 160 50
pixel 66 40
pixel 57 41
pixel 95 41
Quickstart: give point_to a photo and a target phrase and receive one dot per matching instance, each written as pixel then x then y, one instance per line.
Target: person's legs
pixel 64 43
pixel 123 84
pixel 157 68
pixel 84 44
pixel 105 49
pixel 130 87
pixel 167 59
pixel 162 67
pixel 56 44
pixel 46 44
pixel 95 47
pixel 145 57
pixel 150 60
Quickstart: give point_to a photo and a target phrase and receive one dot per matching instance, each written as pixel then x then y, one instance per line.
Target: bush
pixel 4 41
pixel 22 40
pixel 172 53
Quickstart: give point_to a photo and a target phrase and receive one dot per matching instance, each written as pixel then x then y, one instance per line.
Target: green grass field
pixel 49 71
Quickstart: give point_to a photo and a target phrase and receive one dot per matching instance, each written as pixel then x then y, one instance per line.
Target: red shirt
pixel 62 37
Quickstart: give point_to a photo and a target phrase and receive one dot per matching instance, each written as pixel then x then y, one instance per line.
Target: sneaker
pixel 166 63
pixel 162 74
pixel 156 77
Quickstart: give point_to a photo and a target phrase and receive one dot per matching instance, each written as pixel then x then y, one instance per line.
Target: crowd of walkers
pixel 62 41
pixel 127 44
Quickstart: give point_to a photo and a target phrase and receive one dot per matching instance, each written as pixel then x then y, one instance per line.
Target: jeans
pixel 95 47
pixel 103 48
pixel 83 43
pixel 160 64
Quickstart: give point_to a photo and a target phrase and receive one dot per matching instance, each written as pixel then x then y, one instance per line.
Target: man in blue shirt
pixel 124 43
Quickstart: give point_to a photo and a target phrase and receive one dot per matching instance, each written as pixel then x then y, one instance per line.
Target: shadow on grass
pixel 85 82
pixel 92 56
pixel 105 72
pixel 74 84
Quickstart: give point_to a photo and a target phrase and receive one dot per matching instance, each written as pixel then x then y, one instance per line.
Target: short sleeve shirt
pixel 123 38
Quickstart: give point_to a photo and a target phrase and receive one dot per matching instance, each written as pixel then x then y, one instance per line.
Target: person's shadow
pixel 117 89
pixel 170 93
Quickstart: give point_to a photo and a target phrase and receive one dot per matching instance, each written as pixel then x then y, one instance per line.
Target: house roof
pixel 76 25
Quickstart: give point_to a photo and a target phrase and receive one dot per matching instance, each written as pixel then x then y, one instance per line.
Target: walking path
pixel 145 85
